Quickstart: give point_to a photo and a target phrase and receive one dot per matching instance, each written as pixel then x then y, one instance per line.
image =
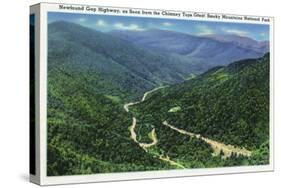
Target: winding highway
pixel 217 147
pixel 152 134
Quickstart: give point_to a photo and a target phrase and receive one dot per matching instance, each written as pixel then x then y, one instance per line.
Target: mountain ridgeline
pixel 92 74
pixel 128 69
pixel 211 49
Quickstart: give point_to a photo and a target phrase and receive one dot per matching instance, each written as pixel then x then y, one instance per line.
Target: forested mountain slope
pixel 228 104
pixel 110 64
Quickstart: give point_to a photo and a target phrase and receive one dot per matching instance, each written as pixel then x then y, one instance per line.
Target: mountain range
pixel 126 67
pixel 211 49
pixel 133 62
pixel 92 74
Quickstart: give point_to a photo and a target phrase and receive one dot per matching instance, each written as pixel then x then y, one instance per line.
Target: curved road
pixel 216 146
pixel 153 135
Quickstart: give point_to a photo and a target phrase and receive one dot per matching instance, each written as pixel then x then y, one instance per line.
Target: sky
pixel 105 23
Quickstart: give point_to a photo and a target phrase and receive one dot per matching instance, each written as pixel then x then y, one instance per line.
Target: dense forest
pixel 228 104
pixel 89 129
pixel 88 132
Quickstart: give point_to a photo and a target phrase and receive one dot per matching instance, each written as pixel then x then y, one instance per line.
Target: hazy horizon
pixel 107 23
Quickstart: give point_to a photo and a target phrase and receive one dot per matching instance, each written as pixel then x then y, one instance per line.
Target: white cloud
pixel 82 20
pixel 167 24
pixel 204 30
pixel 101 23
pixel 263 36
pixel 235 32
pixel 121 26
